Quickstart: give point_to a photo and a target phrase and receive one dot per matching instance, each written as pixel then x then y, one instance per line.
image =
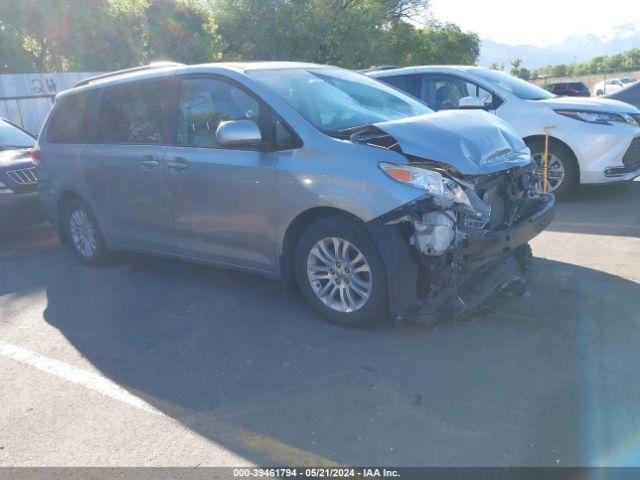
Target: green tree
pixel 515 67
pixel 344 32
pixel 182 30
pixel 518 71
pixel 444 44
pixel 559 70
pixel 349 33
pixel 632 58
pixel 90 35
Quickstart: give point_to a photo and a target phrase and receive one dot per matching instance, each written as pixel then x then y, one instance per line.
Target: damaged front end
pixel 467 235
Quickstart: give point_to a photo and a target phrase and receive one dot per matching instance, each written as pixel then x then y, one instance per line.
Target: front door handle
pixel 178 164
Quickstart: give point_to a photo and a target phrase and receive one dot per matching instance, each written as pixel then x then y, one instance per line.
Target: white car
pixel 612 85
pixel 593 140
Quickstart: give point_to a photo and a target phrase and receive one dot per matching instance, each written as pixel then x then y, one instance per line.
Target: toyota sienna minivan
pixel 374 205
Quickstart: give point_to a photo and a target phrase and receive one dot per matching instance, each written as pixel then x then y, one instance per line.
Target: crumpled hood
pixel 473 141
pixel 15 157
pixel 604 105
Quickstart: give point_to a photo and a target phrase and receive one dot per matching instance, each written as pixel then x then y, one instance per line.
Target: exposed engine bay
pixel 470 242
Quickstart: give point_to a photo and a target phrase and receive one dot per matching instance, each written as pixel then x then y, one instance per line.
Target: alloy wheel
pixel 555 171
pixel 83 233
pixel 339 274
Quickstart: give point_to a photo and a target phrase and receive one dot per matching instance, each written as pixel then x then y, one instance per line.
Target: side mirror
pixel 238 133
pixel 471 103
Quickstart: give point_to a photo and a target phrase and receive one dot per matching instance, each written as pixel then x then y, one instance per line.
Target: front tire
pixel 563 172
pixel 340 272
pixel 84 234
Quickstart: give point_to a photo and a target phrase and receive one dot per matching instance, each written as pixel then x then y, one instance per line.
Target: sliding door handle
pixel 149 163
pixel 177 164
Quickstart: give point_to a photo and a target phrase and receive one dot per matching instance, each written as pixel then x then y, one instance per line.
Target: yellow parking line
pixel 280 452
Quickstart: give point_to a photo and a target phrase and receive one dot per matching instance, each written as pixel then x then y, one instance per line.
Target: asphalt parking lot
pixel 158 362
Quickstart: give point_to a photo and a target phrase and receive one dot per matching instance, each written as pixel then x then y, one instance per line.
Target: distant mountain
pixel 532 57
pixel 578 47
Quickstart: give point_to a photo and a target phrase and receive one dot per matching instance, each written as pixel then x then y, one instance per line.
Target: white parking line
pixel 76 375
pixel 263 444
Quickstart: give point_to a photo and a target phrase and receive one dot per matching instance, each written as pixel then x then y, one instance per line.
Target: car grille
pixel 24 176
pixel 631 159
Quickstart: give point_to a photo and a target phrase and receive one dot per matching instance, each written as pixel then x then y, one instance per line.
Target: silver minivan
pixel 374 205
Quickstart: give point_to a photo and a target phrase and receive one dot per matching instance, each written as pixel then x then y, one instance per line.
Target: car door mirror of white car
pixel 238 133
pixel 469 103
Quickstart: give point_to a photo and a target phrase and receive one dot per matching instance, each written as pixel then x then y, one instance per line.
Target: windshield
pixel 520 88
pixel 11 136
pixel 333 99
pixel 628 80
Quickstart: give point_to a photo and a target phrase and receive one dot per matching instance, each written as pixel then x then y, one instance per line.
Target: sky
pixel 535 22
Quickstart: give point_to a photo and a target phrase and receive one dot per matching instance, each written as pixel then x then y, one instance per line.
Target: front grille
pixel 631 158
pixel 24 176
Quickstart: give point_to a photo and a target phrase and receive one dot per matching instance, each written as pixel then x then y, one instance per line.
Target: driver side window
pixel 443 92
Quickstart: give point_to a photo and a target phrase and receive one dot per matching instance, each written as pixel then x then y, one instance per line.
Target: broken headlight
pixel 445 192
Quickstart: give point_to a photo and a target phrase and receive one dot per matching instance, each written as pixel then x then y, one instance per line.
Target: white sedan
pixel 594 140
pixel 612 85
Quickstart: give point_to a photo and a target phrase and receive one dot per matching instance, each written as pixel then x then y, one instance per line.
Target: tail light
pixel 35 154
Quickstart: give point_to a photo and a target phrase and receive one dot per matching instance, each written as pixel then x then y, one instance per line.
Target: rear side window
pixel 132 114
pixel 71 118
pixel 204 103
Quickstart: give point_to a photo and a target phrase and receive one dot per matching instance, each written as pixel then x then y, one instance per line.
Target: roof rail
pixel 377 68
pixel 142 68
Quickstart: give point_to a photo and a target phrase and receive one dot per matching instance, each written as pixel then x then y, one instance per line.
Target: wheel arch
pixel 64 199
pixel 294 231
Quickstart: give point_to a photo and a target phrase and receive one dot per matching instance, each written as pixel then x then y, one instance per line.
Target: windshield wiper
pixel 345 133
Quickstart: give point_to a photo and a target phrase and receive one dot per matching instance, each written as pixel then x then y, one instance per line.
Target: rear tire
pixel 568 164
pixel 599 93
pixel 84 234
pixel 340 272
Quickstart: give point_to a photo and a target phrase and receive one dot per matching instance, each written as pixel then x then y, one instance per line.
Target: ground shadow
pixel 590 211
pixel 547 379
pixel 224 352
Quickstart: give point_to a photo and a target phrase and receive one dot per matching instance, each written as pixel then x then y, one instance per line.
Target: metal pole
pixel 545 160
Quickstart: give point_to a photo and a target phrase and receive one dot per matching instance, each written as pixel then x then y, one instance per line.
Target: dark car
pixel 629 94
pixel 17 172
pixel 569 89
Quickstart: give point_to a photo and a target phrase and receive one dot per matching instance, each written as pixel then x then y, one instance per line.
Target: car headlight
pixel 445 191
pixel 600 117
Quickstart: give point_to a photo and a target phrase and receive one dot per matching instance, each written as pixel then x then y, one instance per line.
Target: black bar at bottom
pixel 402 473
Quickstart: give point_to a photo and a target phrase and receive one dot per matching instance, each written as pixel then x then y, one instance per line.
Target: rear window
pixel 132 114
pixel 70 119
pixel 11 136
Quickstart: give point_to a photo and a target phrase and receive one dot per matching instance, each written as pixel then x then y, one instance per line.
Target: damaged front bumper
pixel 428 286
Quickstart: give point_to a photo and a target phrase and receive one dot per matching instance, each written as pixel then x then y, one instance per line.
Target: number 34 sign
pixel 45 85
